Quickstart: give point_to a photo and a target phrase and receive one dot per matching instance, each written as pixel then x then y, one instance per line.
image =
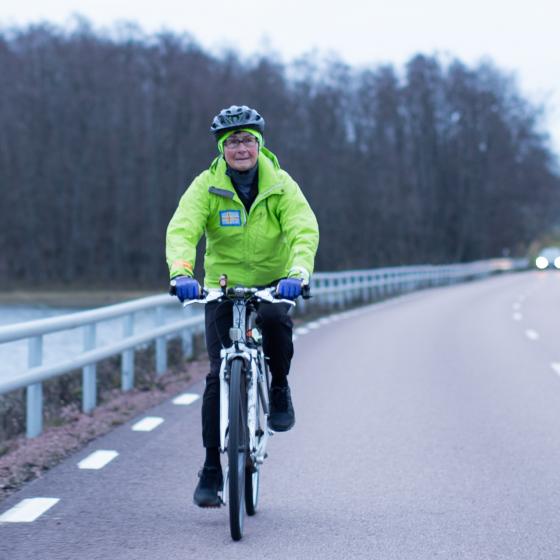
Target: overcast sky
pixel 521 36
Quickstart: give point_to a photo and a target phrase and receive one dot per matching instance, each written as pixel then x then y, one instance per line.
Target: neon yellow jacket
pixel 277 236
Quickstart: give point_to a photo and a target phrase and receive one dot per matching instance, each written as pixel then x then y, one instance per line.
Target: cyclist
pixel 260 231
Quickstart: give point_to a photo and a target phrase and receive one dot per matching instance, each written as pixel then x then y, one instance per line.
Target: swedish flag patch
pixel 230 218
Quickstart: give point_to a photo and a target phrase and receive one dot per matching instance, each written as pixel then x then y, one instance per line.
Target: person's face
pixel 241 151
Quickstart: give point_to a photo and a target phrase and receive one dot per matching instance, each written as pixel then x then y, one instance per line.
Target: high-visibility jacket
pixel 278 235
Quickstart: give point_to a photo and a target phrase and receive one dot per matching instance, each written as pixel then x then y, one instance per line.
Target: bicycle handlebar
pixel 262 294
pixel 239 292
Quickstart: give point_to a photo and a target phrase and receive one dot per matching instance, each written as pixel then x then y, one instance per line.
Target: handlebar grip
pixel 306 291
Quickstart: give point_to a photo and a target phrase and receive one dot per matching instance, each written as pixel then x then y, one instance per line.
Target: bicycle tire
pixel 252 472
pixel 237 447
pixel 252 480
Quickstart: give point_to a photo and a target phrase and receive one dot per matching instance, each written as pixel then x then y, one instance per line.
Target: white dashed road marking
pixel 302 330
pixel 313 325
pixel 517 316
pixel 531 334
pixel 186 398
pixel 28 510
pixel 98 459
pixel 147 424
pixel 556 367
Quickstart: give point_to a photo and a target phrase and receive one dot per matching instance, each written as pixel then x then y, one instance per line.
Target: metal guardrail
pixel 329 289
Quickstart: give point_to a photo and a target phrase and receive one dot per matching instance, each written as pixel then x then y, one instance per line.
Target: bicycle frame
pixel 256 382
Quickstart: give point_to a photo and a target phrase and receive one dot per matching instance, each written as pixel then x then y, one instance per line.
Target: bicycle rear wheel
pixel 252 471
pixel 237 447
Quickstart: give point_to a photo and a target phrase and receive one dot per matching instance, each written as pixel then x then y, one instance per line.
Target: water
pixel 62 346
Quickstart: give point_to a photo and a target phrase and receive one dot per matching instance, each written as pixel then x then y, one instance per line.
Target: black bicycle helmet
pixel 236 117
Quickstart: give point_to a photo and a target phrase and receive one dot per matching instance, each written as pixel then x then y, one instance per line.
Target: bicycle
pixel 244 408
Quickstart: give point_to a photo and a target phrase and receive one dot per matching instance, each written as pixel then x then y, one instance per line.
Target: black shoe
pixel 211 482
pixel 282 417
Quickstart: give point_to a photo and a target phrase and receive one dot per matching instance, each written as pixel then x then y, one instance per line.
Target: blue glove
pixel 290 288
pixel 186 288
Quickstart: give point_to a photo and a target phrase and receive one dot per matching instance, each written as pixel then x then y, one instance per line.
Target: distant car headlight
pixel 542 262
pixel 557 262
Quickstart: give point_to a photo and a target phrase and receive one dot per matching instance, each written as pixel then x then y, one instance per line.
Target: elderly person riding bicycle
pixel 260 231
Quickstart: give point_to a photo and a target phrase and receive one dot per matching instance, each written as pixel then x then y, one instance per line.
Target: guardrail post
pixel 89 381
pixel 331 296
pixel 161 349
pixel 127 357
pixel 301 306
pixel 316 285
pixel 187 343
pixel 34 393
pixel 364 281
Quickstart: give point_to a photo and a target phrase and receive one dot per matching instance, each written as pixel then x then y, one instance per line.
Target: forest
pixel 101 133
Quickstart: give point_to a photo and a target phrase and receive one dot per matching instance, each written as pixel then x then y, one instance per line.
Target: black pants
pixel 276 327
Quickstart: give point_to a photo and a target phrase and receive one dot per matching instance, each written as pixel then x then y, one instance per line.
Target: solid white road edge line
pixel 186 398
pixel 28 510
pixel 98 459
pixel 531 334
pixel 147 424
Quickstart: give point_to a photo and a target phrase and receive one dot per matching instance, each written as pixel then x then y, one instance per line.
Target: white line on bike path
pixel 147 424
pixel 98 459
pixel 186 399
pixel 28 510
pixel 517 316
pixel 313 325
pixel 531 334
pixel 556 367
pixel 302 330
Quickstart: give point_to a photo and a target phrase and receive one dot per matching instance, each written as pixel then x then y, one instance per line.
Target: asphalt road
pixel 427 426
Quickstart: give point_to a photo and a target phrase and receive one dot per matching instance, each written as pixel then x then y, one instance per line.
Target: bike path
pixel 427 426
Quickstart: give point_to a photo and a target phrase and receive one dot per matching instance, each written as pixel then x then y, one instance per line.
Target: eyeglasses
pixel 247 141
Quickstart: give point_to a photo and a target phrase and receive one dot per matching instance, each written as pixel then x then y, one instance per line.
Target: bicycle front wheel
pixel 237 447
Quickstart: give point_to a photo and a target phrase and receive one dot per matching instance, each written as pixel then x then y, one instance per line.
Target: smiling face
pixel 241 151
